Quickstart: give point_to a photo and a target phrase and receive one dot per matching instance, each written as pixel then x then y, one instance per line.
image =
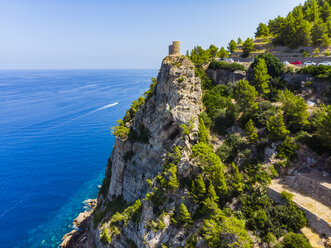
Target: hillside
pixel 219 154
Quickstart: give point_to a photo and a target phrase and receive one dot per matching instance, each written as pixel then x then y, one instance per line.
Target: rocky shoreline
pixel 78 237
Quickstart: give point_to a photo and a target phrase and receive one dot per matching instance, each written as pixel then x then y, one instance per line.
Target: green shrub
pixel 274 66
pixel 269 238
pixel 224 65
pixel 318 71
pixel 206 120
pixel 225 118
pixel 204 156
pixel 321 124
pixel 128 214
pixel 295 240
pixel 105 238
pixel 245 95
pixel 203 133
pixel 206 82
pixel 191 241
pixel 276 127
pixel 198 189
pixel 151 91
pixel 287 149
pixel 182 217
pixel 248 47
pixel 186 128
pixel 295 110
pixel 120 130
pixel 168 178
pixel 250 131
pixel 260 115
pixel 230 148
pixel 229 232
pixel 158 197
pixel 287 196
pixel 215 100
pixel 224 152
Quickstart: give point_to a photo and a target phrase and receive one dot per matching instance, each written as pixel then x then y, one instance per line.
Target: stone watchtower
pixel 174 49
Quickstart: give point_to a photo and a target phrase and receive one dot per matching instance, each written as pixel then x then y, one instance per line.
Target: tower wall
pixel 174 49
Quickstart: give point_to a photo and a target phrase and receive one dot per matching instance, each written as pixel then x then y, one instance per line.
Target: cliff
pixel 176 101
pixel 184 173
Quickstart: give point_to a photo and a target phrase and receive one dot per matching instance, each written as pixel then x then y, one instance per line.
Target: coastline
pixel 78 236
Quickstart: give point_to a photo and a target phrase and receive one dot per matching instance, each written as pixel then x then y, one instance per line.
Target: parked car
pixel 286 62
pixel 229 60
pixel 296 63
pixel 309 63
pixel 325 63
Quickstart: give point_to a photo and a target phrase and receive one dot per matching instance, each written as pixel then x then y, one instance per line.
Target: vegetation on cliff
pixel 212 183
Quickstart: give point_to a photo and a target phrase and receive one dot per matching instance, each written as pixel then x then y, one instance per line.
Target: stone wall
pixel 174 49
pixel 316 188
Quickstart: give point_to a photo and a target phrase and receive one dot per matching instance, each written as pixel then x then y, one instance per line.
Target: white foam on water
pixel 107 106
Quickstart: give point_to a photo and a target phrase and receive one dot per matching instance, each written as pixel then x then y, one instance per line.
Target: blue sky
pixel 97 34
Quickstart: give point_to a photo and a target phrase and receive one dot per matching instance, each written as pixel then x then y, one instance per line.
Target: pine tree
pixel 275 25
pixel 323 125
pixel 312 12
pixel 198 190
pixel 276 127
pixel 295 110
pixel 319 34
pixel 250 131
pixel 210 208
pixel 212 51
pixel 325 11
pixel 261 77
pixel 172 182
pixel 262 30
pixel 232 46
pixel 211 192
pixel 184 216
pixel 223 53
pixel 248 46
pixel 203 132
pixel 219 180
pixel 239 41
pixel 236 180
pixel 245 94
pixel 302 28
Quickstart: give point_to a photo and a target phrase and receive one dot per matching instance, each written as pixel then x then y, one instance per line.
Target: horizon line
pixel 53 69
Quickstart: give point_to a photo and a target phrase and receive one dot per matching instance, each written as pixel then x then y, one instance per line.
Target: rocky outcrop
pixel 177 100
pixel 225 76
pixel 79 237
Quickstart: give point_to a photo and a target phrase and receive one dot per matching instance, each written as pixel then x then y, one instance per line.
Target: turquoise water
pixel 54 144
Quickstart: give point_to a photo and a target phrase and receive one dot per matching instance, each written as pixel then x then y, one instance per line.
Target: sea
pixel 55 140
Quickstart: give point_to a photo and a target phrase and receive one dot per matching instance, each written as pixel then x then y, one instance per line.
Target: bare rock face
pixel 177 100
pixel 224 76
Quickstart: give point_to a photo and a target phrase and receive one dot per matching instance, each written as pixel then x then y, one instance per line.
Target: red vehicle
pixel 296 63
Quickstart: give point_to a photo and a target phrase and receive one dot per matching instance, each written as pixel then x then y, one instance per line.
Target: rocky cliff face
pixel 175 101
pixel 224 76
